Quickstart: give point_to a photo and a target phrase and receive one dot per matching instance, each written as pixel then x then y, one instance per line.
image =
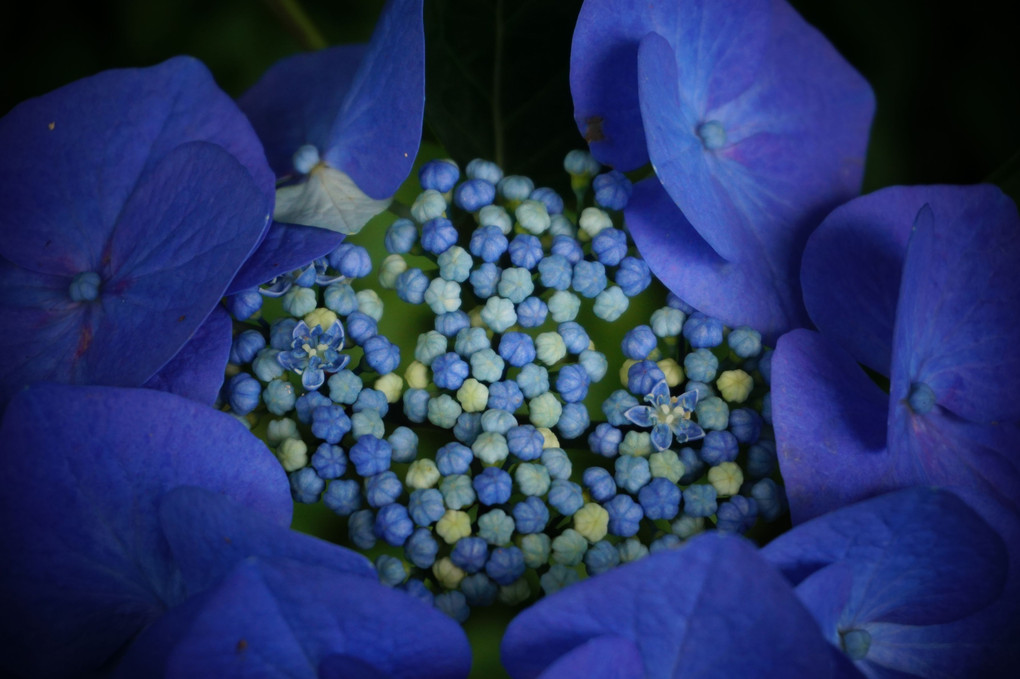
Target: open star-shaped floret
pixel 668 416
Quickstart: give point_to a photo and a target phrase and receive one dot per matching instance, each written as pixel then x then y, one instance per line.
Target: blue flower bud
pixel 553 201
pixel 468 427
pixel 490 447
pixel 612 190
pixel 632 473
pixel 594 363
pixel 306 486
pixel 761 459
pixel 367 422
pixel 563 306
pixel 371 399
pixel 329 461
pixel 425 506
pixel 580 163
pixel 660 499
pixel 479 590
pixel 437 234
pixel 493 486
pixel 416 402
pixel 633 276
pixel 485 279
pixel 393 525
pixel 624 514
pixel 525 442
pixel 343 496
pixel 351 260
pixel 443 411
pixel 279 397
pixel 701 365
pixel 449 371
pixel 495 527
pixel 454 605
pixel 243 305
pixel 699 500
pixel 737 515
pixel 486 365
pixel 455 264
pixel 555 272
pixel 601 557
pixel 605 440
pixel 573 420
pixel 666 542
pixel 307 403
pixel 533 380
pixel 330 423
pixel 470 554
pixel 381 355
pixel 745 342
pixel 745 424
pixel 421 548
pixel 610 246
pixel 516 348
pixel 639 342
pixel 532 312
pixel 643 376
pixel 383 489
pixel 243 393
pixel 565 497
pixel 474 194
pixel 400 237
pixel 281 333
pixel 246 346
pixel 457 491
pixel 589 278
pixel 531 515
pixel 454 458
pixel 616 405
pixel 391 569
pixel 572 383
pixel 515 187
pixel 484 169
pixel 505 565
pixel 505 395
pixel 361 327
pixel 765 366
pixel 599 483
pixel 557 462
pixel 370 456
pixel 575 338
pixel 439 175
pixel 769 498
pixel 712 413
pixel 703 331
pixel 496 215
pixel 488 243
pixel 411 286
pixel 525 251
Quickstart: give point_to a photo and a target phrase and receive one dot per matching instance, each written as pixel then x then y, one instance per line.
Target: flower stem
pixel 297 23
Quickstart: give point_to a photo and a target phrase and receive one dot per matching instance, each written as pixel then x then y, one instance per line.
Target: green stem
pixel 297 23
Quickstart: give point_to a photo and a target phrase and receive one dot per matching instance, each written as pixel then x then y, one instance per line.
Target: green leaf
pixel 497 83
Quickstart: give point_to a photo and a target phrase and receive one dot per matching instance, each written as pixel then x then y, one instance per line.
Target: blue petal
pixel 851 270
pixel 279 617
pixel 687 401
pixel 830 424
pixel 286 247
pixel 919 557
pixel 86 566
pixel 794 117
pixel 209 535
pixel 606 657
pixel 740 293
pixel 726 614
pixel 71 180
pixel 164 266
pixel 685 431
pixel 642 416
pixel 662 436
pixel 197 370
pixel 660 393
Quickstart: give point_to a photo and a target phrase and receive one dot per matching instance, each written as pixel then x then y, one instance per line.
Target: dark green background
pixel 947 84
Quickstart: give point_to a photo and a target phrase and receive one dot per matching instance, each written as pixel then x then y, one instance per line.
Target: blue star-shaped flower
pixel 314 352
pixel 341 129
pixel 919 284
pixel 139 550
pixel 128 201
pixel 755 126
pixel 668 416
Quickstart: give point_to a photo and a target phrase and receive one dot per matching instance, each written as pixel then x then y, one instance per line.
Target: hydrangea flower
pixel 908 570
pixel 668 416
pixel 755 126
pixel 314 352
pixel 945 341
pixel 130 199
pixel 341 128
pixel 139 550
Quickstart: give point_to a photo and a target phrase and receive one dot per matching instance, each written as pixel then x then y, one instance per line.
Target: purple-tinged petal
pixel 685 263
pixel 279 617
pixel 196 371
pixel 920 558
pixel 756 140
pixel 642 416
pixel 209 535
pixel 726 614
pixel 852 266
pixel 830 424
pixel 73 157
pixel 606 657
pixel 286 247
pixel 86 566
pixel 662 436
pixel 176 243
